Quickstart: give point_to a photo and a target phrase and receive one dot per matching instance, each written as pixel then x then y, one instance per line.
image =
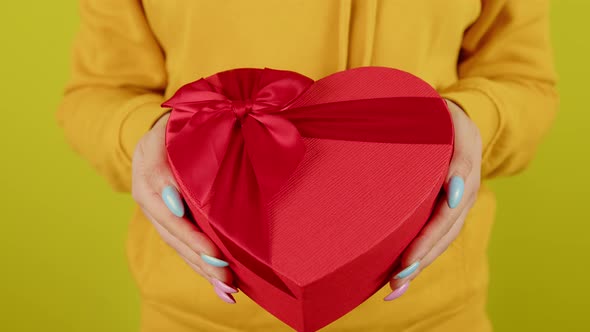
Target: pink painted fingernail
pixel 398 292
pixel 223 286
pixel 224 296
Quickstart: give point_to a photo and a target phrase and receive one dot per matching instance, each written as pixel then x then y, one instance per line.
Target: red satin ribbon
pixel 235 138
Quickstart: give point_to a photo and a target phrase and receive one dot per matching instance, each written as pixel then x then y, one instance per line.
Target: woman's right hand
pixel 155 190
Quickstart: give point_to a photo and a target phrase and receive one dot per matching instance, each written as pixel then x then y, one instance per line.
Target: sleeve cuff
pixel 144 112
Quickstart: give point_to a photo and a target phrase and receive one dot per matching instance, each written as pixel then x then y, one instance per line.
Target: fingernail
pixel 173 201
pixel 455 193
pixel 397 292
pixel 223 286
pixel 214 261
pixel 224 296
pixel 408 270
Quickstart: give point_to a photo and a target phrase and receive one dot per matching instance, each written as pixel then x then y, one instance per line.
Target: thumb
pixel 461 163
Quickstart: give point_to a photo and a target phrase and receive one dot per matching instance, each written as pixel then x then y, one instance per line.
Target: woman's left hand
pixel 446 221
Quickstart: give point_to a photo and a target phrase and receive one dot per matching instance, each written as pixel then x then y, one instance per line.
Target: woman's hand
pixel 154 189
pixel 461 187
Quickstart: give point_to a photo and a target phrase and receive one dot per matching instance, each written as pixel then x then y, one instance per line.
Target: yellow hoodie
pixel 493 58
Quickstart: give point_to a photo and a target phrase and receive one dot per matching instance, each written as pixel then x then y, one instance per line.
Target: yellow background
pixel 62 263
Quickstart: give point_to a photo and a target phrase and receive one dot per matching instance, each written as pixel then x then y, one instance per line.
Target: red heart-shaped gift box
pixel 311 189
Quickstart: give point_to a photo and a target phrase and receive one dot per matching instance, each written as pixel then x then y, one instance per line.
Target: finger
pixel 447 220
pixel 445 213
pixel 438 249
pixel 397 292
pixel 440 223
pixel 206 270
pixel 445 241
pixel 221 289
pixel 155 190
pixel 466 160
pixel 460 168
pixel 212 280
pixel 158 196
pixel 196 268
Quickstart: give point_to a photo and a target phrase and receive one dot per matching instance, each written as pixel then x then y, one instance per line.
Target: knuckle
pixel 417 273
pixel 189 256
pixel 202 243
pixel 215 272
pixel 194 258
pixel 169 241
pixel 424 240
pixel 157 176
pixel 152 176
pixel 464 165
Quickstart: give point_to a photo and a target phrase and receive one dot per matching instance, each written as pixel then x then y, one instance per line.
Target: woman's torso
pixel 315 38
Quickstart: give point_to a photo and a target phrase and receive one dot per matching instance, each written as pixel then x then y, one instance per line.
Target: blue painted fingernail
pixel 455 192
pixel 214 261
pixel 173 201
pixel 408 270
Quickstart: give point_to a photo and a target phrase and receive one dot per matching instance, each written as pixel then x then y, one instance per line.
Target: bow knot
pixel 241 108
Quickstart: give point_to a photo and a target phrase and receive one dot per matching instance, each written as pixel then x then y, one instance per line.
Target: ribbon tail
pixel 415 120
pixel 274 148
pixel 238 215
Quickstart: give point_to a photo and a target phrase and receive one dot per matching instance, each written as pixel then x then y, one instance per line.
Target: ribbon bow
pixel 241 107
pixel 235 138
